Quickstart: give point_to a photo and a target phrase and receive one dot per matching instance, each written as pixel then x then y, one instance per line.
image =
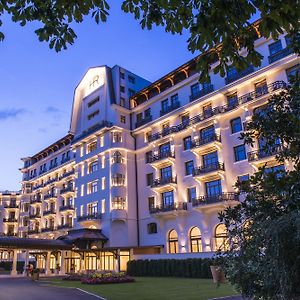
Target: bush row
pixel 192 268
pixel 7 265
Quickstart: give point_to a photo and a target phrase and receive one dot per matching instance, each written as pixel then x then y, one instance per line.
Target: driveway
pixel 25 289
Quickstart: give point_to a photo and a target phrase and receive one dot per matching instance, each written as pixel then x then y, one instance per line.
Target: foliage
pixel 263 259
pixel 191 268
pixel 208 23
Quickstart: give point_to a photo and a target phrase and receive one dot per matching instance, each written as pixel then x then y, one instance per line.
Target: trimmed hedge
pixel 191 267
pixel 7 265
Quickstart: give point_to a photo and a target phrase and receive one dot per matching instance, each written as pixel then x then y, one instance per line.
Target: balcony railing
pixel 237 75
pixel 67 174
pixel 66 207
pixel 47 229
pixel 204 200
pixel 202 93
pixel 280 54
pixel 65 226
pixel 162 155
pixel 216 111
pixel 49 212
pixel 94 216
pixel 218 166
pixel 11 205
pixel 10 220
pixel 263 153
pixel 36 187
pixel 10 234
pixel 64 160
pixel 118 180
pixel 34 215
pixel 43 171
pixel 163 181
pixel 143 121
pixel 170 108
pixel 207 140
pixel 67 189
pixel 53 166
pixel 165 208
pixel 50 181
pixel 48 196
pixel 33 201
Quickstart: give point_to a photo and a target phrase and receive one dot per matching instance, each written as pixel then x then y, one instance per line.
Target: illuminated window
pixel 195 240
pixel 101 141
pixel 103 206
pixel 117 157
pixel 103 183
pixel 221 237
pixel 82 190
pixel 116 137
pixel 92 147
pixel 118 203
pixel 173 241
pixel 93 187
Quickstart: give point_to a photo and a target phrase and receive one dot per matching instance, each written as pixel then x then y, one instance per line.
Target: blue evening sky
pixel 37 83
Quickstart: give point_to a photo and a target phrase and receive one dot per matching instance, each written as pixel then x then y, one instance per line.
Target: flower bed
pixel 100 277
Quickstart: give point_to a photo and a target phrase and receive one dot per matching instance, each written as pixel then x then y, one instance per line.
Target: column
pixel 82 266
pixel 117 261
pixel 62 263
pixel 14 265
pixel 26 262
pixel 48 271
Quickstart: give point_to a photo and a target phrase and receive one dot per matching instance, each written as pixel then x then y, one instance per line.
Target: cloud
pixel 13 113
pixel 53 110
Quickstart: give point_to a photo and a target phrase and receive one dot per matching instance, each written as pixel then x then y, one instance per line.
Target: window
pixel 185 119
pixel 94 114
pixel 93 167
pixel 122 75
pixel 148 156
pixel 232 100
pixel 166 173
pixel 122 119
pixel 131 93
pixel 151 203
pixel 275 47
pixel 103 183
pixel 131 79
pixel 122 102
pixel 92 208
pixel 168 199
pixel 174 99
pixel 207 111
pixel 152 228
pixel 147 113
pixel 261 88
pixel 116 137
pixel 207 133
pixel 139 117
pixel 221 238
pixel 94 101
pixel 189 167
pixel 239 152
pixel 149 179
pixel 191 194
pixel 210 159
pixel 187 143
pixel 117 157
pixel 236 125
pixel 118 203
pixel 118 179
pixel 165 148
pixel 122 89
pixel 213 188
pixel 195 89
pixel 93 187
pixel 166 127
pixel 173 241
pixel 195 240
pixel 293 71
pixel 243 178
pixel 279 170
pixel 92 147
pixel 165 105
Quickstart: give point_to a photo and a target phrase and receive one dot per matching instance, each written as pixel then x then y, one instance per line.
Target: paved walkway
pixel 25 289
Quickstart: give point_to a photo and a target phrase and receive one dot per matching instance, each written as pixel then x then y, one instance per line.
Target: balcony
pixel 50 181
pixel 143 121
pixel 49 229
pixel 10 220
pixel 222 200
pixel 11 205
pixel 202 93
pixel 38 187
pixel 170 108
pixel 49 196
pixel 49 212
pixel 161 157
pixel 64 160
pixel 211 169
pixel 118 180
pixel 53 166
pixel 34 231
pixel 67 174
pixel 69 189
pixel 35 215
pixel 67 207
pixel 202 144
pixel 65 226
pixel 168 210
pixel 164 183
pixel 280 54
pixel 36 201
pixel 43 171
pixel 9 234
pixel 89 217
pixel 237 75
pixel 262 155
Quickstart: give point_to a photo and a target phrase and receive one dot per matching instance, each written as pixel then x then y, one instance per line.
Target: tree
pixel 263 256
pixel 221 29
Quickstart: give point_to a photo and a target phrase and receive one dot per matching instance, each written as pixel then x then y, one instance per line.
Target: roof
pixel 34 244
pixel 83 234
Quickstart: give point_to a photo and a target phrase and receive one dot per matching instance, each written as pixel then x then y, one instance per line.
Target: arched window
pixel 221 237
pixel 195 240
pixel 117 157
pixel 173 241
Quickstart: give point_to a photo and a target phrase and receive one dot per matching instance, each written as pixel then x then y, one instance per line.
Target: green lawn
pixel 148 288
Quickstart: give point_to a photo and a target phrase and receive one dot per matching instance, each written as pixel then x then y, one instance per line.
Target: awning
pixel 85 234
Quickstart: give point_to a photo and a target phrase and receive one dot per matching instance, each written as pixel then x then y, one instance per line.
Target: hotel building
pixel 146 167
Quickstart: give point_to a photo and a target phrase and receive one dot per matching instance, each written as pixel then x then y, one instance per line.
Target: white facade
pixel 151 165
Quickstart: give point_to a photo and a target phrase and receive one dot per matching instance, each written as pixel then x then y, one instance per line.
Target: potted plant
pixel 35 275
